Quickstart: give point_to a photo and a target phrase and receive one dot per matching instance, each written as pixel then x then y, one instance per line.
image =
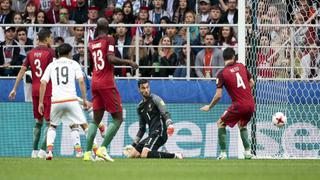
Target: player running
pixel 38 59
pixel 105 95
pixel 152 111
pixel 65 106
pixel 238 82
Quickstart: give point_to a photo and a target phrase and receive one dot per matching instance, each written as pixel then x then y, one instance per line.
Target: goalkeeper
pixel 152 112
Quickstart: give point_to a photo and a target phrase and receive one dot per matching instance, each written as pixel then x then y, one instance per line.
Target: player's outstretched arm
pixel 117 61
pixel 251 82
pixel 214 101
pixel 12 94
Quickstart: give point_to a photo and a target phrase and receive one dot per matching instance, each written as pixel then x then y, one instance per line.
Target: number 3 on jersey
pixel 98 59
pixel 38 72
pixel 240 82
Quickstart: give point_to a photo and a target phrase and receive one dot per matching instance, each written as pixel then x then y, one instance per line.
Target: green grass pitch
pixel 152 169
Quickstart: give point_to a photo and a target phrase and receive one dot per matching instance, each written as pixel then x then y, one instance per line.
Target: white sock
pixel 51 136
pixel 75 136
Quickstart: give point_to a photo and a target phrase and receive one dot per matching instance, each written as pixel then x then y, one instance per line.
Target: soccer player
pixel 65 106
pixel 38 59
pixel 152 111
pixel 238 82
pixel 105 95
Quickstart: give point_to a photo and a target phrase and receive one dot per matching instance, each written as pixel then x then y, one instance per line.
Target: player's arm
pixel 251 82
pixel 117 61
pixel 12 94
pixel 214 100
pixel 43 85
pixel 80 78
pixel 164 113
pixel 141 131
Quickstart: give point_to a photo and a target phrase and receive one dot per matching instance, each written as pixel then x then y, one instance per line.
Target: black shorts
pixel 153 142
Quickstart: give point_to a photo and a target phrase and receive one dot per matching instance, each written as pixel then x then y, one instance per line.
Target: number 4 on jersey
pixel 240 82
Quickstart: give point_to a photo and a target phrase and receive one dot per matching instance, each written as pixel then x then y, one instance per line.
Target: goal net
pixel 285 61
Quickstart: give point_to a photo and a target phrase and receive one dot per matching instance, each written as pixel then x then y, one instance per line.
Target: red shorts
pixel 47 107
pixel 107 99
pixel 238 113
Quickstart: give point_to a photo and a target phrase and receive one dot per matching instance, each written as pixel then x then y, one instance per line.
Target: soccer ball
pixel 279 119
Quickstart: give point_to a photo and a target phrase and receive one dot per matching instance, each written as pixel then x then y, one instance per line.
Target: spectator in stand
pixel 80 13
pixel 63 31
pixel 182 61
pixel 261 12
pixel 23 41
pixel 44 5
pixel 30 12
pixel 215 18
pixel 310 63
pixel 121 40
pixel 158 12
pixel 128 17
pixel 148 38
pixel 231 15
pixel 92 19
pixel 145 58
pixel 166 57
pixel 6 13
pixel 209 57
pixel 117 16
pixel 53 12
pixel 162 31
pixel 143 16
pixel 73 40
pixel 274 18
pixel 79 56
pixel 203 30
pixel 266 57
pixel 204 14
pixel 9 55
pixel 227 38
pixel 194 31
pixel 170 5
pixel 40 19
pixel 179 14
pixel 176 39
pixel 17 18
pixel 58 41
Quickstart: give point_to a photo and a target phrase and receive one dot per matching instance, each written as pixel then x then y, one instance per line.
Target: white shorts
pixel 67 112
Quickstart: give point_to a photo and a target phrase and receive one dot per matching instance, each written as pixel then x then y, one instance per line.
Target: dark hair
pixel 59 38
pixel 43 34
pixel 63 50
pixel 22 29
pixel 210 34
pixel 228 53
pixel 142 81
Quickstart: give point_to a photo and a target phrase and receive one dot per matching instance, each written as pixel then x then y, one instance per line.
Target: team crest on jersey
pixel 150 107
pixel 111 48
pixel 217 81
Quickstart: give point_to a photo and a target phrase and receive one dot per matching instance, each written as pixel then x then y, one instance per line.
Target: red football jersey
pixel 38 59
pixel 100 48
pixel 235 78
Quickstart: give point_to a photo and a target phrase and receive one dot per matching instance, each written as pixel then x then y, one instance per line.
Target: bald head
pixel 102 26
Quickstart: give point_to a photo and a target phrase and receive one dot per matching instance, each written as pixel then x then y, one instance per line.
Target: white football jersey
pixel 63 72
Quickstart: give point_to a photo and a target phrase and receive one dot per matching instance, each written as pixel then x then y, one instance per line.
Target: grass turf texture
pixel 152 169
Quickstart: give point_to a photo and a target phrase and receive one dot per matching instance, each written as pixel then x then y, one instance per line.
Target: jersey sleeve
pixel 78 71
pixel 46 75
pixel 111 45
pixel 26 63
pixel 220 80
pixel 162 108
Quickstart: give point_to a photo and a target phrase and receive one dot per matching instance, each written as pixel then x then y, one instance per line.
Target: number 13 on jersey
pixel 98 60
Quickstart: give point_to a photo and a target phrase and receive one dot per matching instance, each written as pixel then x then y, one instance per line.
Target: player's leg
pixel 85 128
pixel 47 109
pixel 153 143
pixel 98 112
pixel 75 137
pixel 242 124
pixel 51 136
pixel 222 138
pixel 113 128
pixel 37 127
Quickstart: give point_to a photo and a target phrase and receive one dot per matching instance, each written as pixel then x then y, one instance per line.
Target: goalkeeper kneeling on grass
pixel 152 112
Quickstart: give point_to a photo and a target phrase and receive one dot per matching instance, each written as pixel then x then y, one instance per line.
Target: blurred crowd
pixel 269 48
